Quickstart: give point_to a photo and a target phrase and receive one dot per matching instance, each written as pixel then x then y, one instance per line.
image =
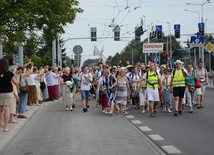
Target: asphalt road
pixel 54 131
pixel 192 134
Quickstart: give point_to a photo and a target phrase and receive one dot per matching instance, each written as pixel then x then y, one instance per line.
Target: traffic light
pixel 117 33
pixel 159 34
pixel 72 61
pixel 93 34
pixel 201 32
pixel 177 33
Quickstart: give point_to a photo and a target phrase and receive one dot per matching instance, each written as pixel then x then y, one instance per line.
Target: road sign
pixel 209 47
pixel 196 42
pixel 200 25
pixel 77 49
pixel 177 27
pixel 156 58
pixel 158 27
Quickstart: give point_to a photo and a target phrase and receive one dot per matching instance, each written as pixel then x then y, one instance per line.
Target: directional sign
pixel 177 27
pixel 158 27
pixel 200 25
pixel 209 47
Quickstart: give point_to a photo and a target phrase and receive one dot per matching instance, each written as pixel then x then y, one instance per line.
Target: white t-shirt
pixel 31 80
pixel 85 83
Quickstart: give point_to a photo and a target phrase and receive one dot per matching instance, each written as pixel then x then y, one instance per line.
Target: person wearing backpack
pixel 153 80
pixel 202 76
pixel 177 86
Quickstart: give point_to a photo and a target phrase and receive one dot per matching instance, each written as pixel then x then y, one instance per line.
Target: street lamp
pixel 194 12
pixel 170 40
pixel 202 7
pixel 202 10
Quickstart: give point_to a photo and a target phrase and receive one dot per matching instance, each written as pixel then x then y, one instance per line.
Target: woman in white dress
pixel 67 84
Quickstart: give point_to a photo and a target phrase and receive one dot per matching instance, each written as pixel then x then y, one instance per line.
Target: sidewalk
pixel 113 130
pixel 15 128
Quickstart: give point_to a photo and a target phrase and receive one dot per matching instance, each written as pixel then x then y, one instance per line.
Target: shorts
pixel 200 91
pixel 152 94
pixel 85 94
pixel 179 92
pixel 6 98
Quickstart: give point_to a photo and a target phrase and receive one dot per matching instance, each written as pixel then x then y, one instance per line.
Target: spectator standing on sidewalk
pixel 6 92
pixel 201 74
pixel 50 78
pixel 84 84
pixel 178 84
pixel 23 97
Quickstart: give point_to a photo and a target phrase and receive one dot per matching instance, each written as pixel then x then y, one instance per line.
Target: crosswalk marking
pixel 170 149
pixel 145 128
pixel 156 137
pixel 136 122
pixel 129 116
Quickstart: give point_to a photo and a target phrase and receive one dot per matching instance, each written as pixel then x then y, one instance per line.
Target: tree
pixel 50 16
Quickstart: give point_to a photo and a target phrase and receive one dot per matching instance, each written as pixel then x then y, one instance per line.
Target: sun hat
pixel 178 62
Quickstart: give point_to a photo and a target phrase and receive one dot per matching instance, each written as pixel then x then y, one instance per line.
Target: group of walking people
pixel 147 86
pixel 143 86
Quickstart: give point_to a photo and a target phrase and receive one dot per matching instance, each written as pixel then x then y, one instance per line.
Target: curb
pixel 157 150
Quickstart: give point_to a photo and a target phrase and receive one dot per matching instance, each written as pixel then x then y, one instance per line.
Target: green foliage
pixel 136 48
pixel 91 62
pixel 21 16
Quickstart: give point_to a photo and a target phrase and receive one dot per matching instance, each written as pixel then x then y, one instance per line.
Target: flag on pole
pixel 96 51
pixel 102 49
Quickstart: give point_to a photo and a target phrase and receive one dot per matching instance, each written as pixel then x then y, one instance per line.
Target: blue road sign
pixel 156 58
pixel 200 25
pixel 195 40
pixel 177 27
pixel 158 27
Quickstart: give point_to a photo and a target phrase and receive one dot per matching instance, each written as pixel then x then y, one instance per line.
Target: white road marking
pixel 156 137
pixel 145 128
pixel 136 122
pixel 129 116
pixel 170 149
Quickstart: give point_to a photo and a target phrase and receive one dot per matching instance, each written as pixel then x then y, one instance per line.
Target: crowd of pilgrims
pixel 113 87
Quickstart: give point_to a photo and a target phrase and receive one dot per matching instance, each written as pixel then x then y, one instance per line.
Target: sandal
pixel 21 116
pixel 152 114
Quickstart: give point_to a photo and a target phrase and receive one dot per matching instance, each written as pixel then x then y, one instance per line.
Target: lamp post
pixel 194 12
pixel 148 36
pixel 202 7
pixel 202 13
pixel 170 40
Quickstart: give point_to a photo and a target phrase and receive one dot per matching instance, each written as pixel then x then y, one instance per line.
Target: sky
pixel 130 13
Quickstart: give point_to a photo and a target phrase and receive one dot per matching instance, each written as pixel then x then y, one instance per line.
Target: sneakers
pixel 164 108
pixel 169 110
pixel 85 109
pixel 180 112
pixel 190 110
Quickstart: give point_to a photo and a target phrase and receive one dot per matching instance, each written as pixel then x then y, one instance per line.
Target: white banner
pixel 152 47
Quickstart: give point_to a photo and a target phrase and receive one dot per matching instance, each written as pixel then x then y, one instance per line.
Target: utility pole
pixel 1 48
